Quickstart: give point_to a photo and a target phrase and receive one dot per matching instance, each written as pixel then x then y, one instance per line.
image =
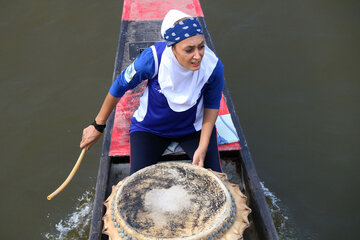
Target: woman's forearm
pixel 90 135
pixel 209 120
pixel 105 110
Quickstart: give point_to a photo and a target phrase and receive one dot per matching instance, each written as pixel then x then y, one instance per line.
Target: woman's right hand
pixel 89 137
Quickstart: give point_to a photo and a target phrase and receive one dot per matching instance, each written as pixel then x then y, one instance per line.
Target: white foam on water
pixel 75 225
pixel 282 223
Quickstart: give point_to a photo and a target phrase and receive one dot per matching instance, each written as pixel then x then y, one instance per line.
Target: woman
pixel 180 103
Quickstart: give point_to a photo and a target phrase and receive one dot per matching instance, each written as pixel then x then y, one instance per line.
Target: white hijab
pixel 182 87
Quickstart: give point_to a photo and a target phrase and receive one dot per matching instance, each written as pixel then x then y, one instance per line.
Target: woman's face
pixel 190 51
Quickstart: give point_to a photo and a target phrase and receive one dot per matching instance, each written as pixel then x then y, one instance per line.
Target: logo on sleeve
pixel 130 72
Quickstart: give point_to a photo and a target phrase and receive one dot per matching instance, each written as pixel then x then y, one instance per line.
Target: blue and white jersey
pixel 154 114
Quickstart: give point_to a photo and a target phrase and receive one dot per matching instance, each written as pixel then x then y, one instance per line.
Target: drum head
pixel 171 201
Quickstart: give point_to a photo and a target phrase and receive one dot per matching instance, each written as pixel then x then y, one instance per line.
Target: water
pixel 76 225
pixel 292 68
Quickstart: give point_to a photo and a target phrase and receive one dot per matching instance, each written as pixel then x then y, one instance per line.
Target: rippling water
pixel 76 224
pixel 292 68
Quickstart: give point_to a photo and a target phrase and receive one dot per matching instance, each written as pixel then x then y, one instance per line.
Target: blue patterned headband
pixel 182 30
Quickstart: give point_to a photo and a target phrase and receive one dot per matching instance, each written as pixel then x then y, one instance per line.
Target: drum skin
pixel 175 201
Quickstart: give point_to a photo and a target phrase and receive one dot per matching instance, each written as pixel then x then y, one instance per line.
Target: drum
pixel 175 200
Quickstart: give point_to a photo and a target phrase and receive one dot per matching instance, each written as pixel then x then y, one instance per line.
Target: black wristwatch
pixel 98 127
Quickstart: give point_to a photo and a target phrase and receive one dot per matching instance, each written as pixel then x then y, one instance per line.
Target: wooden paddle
pixel 71 175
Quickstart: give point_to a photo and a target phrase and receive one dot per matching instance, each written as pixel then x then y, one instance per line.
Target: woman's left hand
pixel 199 157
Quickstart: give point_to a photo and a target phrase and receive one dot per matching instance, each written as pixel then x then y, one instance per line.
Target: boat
pixel 140 28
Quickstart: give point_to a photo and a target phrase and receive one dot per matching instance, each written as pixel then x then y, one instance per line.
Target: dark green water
pixel 292 68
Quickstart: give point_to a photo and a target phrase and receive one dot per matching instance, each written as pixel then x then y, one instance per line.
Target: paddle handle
pixel 71 175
